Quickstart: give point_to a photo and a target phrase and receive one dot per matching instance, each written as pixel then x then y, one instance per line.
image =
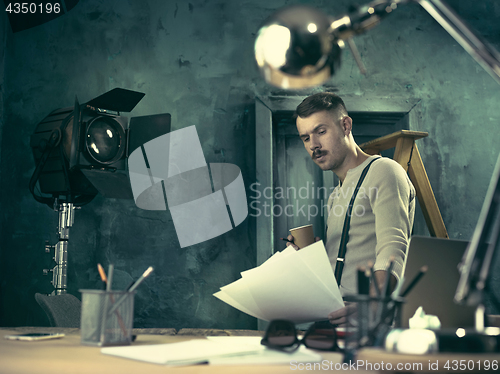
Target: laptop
pixel 436 289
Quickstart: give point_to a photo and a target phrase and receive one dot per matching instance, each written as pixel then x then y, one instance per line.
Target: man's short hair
pixel 319 102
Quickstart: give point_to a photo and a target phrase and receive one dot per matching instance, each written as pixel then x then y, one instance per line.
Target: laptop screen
pixel 436 290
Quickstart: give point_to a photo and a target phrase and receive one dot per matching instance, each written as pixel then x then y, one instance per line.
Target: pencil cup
pixel 107 317
pixel 303 236
pixel 373 319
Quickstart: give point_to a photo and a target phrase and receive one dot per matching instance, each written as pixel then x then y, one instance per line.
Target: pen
pixel 110 277
pixel 389 313
pixel 415 280
pixel 141 278
pixel 363 282
pixel 363 307
pixel 286 240
pixel 131 289
pixel 107 283
pixel 133 282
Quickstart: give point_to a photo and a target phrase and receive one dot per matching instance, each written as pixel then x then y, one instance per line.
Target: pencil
pixel 102 274
pixel 415 280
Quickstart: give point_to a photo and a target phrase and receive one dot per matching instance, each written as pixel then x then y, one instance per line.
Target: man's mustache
pixel 318 153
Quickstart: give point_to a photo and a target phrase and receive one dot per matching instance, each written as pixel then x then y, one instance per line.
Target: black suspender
pixel 345 230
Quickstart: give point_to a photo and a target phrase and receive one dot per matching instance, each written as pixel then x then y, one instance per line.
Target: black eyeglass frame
pixel 293 346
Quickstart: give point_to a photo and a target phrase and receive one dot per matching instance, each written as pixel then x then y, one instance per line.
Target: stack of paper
pixel 189 352
pixel 296 285
pixel 220 350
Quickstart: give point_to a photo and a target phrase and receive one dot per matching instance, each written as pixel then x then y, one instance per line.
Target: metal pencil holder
pixel 98 326
pixel 373 319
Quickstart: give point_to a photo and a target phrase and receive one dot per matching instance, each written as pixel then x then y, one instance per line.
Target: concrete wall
pixel 195 61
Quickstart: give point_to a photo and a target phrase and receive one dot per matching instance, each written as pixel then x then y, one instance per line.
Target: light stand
pixel 62 202
pixel 59 272
pixel 82 151
pixel 66 214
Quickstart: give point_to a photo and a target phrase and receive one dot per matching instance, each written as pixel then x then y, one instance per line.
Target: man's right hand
pixel 340 316
pixel 290 241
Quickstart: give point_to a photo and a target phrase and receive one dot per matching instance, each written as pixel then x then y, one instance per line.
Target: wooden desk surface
pixel 68 356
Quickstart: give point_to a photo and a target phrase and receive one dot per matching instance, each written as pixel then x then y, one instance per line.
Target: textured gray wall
pixel 195 61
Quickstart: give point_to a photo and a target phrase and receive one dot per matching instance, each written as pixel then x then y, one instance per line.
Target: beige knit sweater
pixel 381 221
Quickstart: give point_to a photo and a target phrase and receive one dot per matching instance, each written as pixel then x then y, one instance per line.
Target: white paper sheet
pixel 295 285
pixel 314 259
pixel 184 353
pixel 215 350
pixel 253 311
pixel 239 292
pixel 292 294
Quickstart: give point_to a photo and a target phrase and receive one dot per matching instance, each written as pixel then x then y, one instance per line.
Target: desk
pixel 68 356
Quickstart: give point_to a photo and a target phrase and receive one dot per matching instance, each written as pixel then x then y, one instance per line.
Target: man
pixel 383 210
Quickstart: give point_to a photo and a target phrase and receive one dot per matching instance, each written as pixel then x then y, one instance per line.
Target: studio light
pixel 82 151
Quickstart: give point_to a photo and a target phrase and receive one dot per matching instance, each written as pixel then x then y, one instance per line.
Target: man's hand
pixel 339 317
pixel 290 241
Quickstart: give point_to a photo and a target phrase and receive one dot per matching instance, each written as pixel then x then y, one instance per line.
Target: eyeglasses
pixel 282 335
